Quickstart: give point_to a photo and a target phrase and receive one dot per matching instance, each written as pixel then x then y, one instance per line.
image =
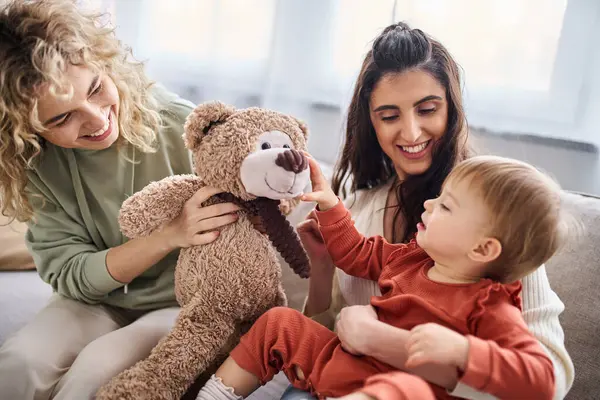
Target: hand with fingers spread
pixel 198 225
pixel 321 190
pixel 435 344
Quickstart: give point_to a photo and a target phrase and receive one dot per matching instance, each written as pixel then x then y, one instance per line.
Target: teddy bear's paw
pixel 137 385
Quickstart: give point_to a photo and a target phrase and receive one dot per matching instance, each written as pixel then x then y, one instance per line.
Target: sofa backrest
pixel 574 275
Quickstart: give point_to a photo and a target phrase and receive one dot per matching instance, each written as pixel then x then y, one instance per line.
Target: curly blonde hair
pixel 38 41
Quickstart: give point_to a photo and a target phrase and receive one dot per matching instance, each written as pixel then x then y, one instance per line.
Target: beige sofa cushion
pixel 574 274
pixel 13 252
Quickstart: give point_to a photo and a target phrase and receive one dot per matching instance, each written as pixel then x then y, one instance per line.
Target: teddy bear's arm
pixel 156 204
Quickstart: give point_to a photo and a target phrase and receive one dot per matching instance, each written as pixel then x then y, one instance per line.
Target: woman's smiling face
pixel 86 120
pixel 409 112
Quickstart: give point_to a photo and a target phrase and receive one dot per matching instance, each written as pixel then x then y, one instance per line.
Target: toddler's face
pixel 88 119
pixel 453 224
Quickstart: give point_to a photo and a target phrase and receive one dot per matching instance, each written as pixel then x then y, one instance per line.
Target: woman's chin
pixel 418 167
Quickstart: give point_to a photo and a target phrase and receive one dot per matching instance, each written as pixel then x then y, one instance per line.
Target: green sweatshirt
pixel 76 195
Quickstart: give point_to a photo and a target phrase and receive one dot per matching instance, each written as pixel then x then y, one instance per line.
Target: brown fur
pixel 278 229
pixel 223 286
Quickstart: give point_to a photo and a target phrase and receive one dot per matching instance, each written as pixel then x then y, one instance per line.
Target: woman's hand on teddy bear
pixel 197 225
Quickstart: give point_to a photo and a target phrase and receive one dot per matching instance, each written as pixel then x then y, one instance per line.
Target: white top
pixel 541 306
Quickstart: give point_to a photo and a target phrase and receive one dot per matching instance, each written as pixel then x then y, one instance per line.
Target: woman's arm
pixel 129 260
pixel 68 258
pixel 126 262
pixel 162 217
pixel 541 308
pixel 320 284
pixel 320 287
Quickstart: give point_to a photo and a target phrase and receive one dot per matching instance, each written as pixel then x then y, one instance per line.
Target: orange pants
pixel 284 339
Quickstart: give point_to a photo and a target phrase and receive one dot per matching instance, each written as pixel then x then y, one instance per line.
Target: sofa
pixel 574 274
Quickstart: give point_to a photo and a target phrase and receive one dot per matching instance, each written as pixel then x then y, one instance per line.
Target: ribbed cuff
pixel 477 372
pixel 97 275
pixel 333 215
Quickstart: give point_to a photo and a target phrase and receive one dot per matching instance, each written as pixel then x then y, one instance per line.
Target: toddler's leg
pixel 281 339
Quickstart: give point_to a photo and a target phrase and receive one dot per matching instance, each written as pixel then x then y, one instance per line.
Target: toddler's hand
pixel 436 344
pixel 321 191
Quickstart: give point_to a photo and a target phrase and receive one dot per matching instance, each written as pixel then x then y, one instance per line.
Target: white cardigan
pixel 541 306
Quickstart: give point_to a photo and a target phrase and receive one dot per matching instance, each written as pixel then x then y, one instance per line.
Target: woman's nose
pixel 411 131
pixel 97 118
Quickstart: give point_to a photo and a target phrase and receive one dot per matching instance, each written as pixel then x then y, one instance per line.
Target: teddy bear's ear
pixel 199 122
pixel 303 127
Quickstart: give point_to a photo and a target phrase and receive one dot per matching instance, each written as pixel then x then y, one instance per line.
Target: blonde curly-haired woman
pixel 82 128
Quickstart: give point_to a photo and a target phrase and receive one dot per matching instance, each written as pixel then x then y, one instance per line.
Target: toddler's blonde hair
pixel 525 212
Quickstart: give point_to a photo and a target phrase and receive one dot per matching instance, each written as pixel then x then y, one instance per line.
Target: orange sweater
pixel 504 359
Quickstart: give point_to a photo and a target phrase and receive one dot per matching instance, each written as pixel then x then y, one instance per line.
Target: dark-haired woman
pixel 406 130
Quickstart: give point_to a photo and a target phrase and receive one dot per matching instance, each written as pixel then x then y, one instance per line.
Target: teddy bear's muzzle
pixel 292 161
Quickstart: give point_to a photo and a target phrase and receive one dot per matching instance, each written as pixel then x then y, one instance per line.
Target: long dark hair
pixel 397 49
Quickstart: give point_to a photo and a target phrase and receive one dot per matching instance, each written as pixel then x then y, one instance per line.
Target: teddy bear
pixel 255 156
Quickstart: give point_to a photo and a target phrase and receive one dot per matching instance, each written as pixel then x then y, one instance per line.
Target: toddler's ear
pixel 488 250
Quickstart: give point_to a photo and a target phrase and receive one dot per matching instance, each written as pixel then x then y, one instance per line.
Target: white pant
pixel 70 349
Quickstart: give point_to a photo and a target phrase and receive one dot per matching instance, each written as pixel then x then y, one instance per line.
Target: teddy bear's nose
pixel 292 160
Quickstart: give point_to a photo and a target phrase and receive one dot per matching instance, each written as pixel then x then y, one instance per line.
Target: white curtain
pixel 526 63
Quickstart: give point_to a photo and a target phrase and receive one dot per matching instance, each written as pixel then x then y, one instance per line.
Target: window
pixel 356 23
pixel 227 30
pixel 509 44
pixel 526 62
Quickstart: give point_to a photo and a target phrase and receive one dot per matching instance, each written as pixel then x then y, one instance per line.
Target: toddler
pixel 455 286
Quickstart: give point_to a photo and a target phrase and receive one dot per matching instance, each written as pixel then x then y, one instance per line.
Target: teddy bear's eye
pixel 286 146
pixel 265 146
